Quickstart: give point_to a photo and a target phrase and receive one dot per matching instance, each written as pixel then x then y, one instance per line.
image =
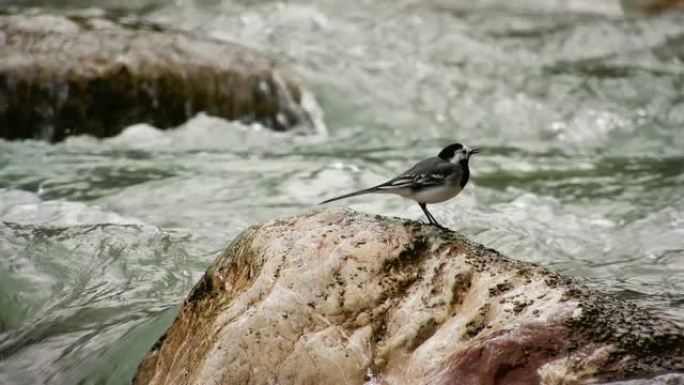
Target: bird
pixel 432 180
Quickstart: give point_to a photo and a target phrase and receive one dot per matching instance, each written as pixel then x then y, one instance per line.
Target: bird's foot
pixel 437 225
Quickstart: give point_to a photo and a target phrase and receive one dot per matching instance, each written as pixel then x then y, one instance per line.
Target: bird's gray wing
pixel 429 172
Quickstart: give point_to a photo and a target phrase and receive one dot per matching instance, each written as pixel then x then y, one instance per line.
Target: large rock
pixel 652 6
pixel 66 75
pixel 338 297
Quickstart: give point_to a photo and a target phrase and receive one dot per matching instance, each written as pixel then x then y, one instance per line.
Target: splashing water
pixel 580 118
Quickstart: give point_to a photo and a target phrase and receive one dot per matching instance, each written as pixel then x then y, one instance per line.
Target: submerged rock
pixel 338 297
pixel 67 75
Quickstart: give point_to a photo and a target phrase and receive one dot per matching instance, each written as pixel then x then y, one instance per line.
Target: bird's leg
pixel 434 221
pixel 430 217
pixel 426 212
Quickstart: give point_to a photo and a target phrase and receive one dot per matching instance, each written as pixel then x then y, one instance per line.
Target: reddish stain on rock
pixel 510 357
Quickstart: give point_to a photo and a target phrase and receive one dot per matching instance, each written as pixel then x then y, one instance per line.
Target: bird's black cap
pixel 448 152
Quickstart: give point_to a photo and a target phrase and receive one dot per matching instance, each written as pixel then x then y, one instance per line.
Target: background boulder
pixel 67 75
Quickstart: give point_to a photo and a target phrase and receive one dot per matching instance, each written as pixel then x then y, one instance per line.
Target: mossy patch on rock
pixel 635 333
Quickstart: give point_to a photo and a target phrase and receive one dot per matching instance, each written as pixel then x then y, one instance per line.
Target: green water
pixel 580 117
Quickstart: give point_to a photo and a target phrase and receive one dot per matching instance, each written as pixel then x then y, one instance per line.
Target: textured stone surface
pixel 338 297
pixel 652 6
pixel 666 379
pixel 61 76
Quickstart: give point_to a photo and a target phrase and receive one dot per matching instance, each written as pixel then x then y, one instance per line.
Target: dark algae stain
pixel 473 328
pixel 500 288
pixel 157 345
pixel 201 290
pixel 655 344
pixel 410 256
pixel 427 329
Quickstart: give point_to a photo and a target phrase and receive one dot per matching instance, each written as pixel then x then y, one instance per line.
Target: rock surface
pixel 338 297
pixel 652 6
pixel 67 75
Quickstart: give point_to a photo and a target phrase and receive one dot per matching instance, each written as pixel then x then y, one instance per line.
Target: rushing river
pixel 580 118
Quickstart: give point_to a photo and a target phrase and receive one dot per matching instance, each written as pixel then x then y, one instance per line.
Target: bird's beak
pixel 475 151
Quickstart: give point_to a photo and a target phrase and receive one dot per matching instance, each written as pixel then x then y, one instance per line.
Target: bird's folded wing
pixel 414 180
pixel 429 172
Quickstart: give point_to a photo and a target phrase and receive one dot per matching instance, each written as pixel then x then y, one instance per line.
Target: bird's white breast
pixel 434 194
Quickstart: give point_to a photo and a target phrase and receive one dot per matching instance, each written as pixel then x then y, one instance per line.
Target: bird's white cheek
pixel 458 157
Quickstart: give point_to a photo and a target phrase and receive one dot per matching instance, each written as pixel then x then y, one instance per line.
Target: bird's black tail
pixel 360 192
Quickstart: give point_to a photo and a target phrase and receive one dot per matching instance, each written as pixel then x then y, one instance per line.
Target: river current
pixel 580 117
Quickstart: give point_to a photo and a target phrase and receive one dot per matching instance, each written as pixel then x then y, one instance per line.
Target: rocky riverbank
pixel 68 75
pixel 338 297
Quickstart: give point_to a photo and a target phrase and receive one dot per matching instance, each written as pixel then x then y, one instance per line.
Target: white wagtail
pixel 433 180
